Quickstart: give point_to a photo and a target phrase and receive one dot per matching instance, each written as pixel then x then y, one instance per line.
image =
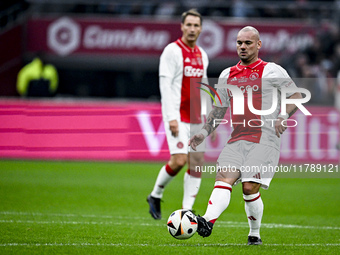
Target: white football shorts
pixel 179 144
pixel 256 162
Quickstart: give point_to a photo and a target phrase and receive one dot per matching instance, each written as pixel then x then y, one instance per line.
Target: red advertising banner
pixel 135 37
pixel 85 130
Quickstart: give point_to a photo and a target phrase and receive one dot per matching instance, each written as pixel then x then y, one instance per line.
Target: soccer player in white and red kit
pixel 180 62
pixel 255 140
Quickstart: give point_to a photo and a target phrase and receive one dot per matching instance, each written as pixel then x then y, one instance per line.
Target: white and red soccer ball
pixel 182 224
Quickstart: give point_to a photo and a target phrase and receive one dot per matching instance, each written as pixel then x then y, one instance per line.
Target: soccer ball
pixel 182 224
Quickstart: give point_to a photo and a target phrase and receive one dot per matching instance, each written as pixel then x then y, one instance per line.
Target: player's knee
pixel 178 162
pixel 181 161
pixel 250 188
pixel 227 173
pixel 220 176
pixel 247 190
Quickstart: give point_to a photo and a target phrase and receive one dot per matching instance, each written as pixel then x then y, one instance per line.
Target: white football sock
pixel 254 210
pixel 192 183
pixel 166 174
pixel 218 202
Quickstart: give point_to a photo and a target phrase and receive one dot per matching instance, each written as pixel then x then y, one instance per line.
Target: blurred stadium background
pixel 68 180
pixel 107 52
pixel 115 70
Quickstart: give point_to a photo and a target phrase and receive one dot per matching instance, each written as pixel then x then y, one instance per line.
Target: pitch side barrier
pixel 93 130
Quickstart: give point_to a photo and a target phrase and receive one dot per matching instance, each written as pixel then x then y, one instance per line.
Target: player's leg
pixel 192 179
pixel 229 162
pixel 259 157
pixel 178 159
pixel 165 175
pixel 218 202
pixel 221 194
pixel 254 209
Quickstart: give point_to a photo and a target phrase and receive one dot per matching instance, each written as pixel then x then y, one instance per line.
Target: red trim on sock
pixel 169 170
pixel 254 199
pixel 194 173
pixel 213 221
pixel 223 187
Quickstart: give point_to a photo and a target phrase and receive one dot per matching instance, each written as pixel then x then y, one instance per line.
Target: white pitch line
pixel 161 245
pixel 101 223
pixel 230 224
pixel 64 215
pixel 274 225
pixel 81 222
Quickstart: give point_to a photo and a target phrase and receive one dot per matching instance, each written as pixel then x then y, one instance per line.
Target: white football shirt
pixel 262 78
pixel 181 63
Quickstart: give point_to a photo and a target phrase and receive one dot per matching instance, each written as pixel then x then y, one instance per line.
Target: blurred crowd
pixel 317 68
pixel 214 8
pixel 318 64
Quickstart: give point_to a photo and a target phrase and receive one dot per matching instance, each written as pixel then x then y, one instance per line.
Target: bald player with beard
pixel 255 140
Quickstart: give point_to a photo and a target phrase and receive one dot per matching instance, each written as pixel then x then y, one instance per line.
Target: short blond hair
pixel 192 12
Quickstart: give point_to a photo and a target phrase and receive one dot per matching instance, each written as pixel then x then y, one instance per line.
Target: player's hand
pixel 173 125
pixel 196 140
pixel 279 128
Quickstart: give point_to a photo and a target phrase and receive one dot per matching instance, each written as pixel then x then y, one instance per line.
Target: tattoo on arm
pixel 215 114
pixel 292 108
pixel 292 112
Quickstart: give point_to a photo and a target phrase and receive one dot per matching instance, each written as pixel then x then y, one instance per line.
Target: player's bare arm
pixel 210 126
pixel 216 113
pixel 291 109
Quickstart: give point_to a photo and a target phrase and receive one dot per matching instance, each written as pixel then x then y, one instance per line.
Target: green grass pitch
pixel 58 207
